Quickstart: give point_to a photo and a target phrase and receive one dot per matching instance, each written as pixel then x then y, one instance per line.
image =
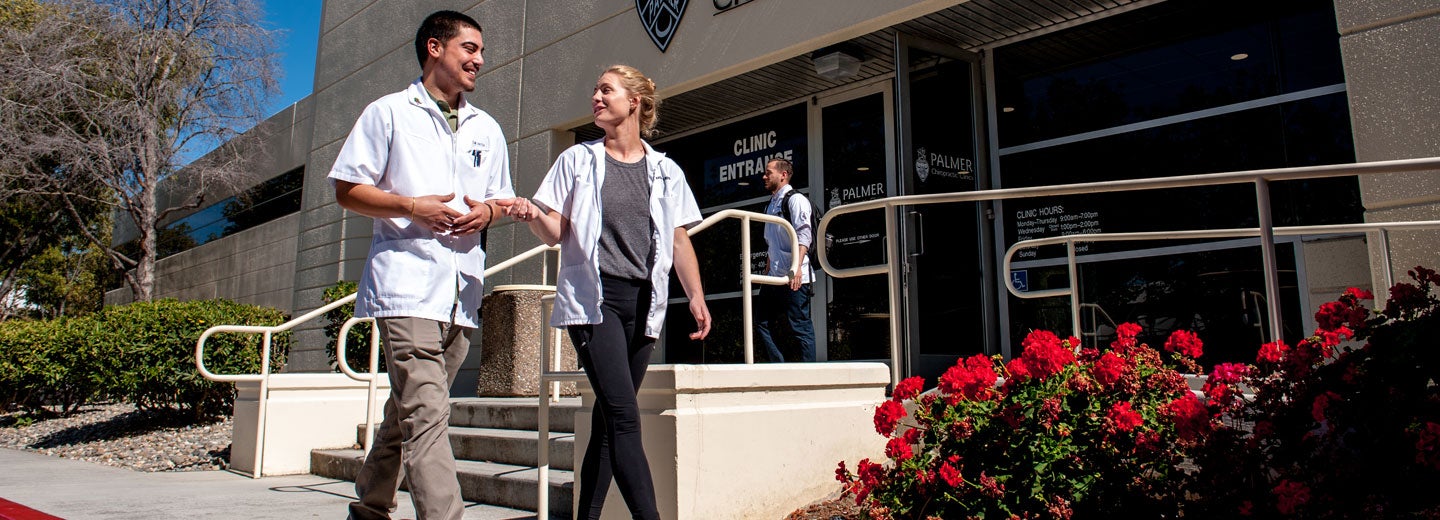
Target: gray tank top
pixel 627 249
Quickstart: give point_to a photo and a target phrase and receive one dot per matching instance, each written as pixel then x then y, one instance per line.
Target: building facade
pixel 909 97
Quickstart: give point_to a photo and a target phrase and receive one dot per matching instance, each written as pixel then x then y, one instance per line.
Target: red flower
pixel 1290 495
pixel 908 388
pixel 1123 417
pixel 1017 370
pixel 1405 299
pixel 1427 446
pixel 1321 404
pixel 912 436
pixel 1247 508
pixel 898 449
pixel 1272 352
pixel 1184 342
pixel 950 475
pixel 962 429
pixel 1109 369
pixel 1228 373
pixel 1191 418
pixel 1359 294
pixel 1125 336
pixel 1345 312
pixel 841 474
pixel 1045 355
pixel 990 487
pixel 869 475
pixel 887 415
pixel 972 378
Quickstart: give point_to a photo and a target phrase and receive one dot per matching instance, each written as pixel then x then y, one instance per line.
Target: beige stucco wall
pixel 1392 74
pixel 255 266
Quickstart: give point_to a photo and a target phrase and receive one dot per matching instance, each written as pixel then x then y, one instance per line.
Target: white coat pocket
pixel 402 269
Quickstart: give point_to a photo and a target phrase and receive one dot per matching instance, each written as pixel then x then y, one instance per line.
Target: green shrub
pixel 151 349
pixel 48 363
pixel 357 341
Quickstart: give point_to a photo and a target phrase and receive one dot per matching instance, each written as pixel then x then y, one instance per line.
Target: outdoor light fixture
pixel 837 62
pixel 1240 56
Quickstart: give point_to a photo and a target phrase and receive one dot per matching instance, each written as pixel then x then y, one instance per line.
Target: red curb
pixel 12 511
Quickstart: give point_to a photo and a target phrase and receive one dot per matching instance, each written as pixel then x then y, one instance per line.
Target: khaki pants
pixel 423 357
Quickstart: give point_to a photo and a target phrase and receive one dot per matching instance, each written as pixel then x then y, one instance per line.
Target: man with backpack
pixel 788 304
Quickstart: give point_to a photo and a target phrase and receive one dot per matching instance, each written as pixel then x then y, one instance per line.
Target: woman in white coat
pixel 619 211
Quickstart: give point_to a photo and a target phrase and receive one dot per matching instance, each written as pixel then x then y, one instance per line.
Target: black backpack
pixel 814 224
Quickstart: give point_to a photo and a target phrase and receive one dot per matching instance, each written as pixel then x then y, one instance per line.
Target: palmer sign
pixel 726 5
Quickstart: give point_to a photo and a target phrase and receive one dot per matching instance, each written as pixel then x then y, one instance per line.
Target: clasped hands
pixel 432 212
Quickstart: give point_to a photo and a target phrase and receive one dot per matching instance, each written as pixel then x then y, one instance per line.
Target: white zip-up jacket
pixel 402 144
pixel 572 188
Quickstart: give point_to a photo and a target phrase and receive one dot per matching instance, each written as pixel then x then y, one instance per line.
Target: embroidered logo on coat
pixel 660 19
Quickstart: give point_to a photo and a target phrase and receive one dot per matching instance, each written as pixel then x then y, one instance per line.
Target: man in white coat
pixel 429 168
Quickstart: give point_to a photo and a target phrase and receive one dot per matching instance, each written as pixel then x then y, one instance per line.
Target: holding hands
pixel 432 212
pixel 520 209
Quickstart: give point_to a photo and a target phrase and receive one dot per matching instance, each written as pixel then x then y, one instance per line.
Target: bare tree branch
pixel 101 98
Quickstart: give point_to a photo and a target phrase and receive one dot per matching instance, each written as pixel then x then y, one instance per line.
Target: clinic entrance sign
pixel 660 19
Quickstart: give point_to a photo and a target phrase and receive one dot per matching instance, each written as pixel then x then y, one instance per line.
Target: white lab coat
pixel 572 188
pixel 402 144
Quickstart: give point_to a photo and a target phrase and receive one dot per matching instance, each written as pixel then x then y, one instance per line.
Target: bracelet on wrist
pixel 491 219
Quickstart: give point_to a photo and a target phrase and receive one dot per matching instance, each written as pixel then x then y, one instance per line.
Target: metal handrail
pixel 372 376
pixel 264 376
pixel 1070 240
pixel 1260 178
pixel 552 378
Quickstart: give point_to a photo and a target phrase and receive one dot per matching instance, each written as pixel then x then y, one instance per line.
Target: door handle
pixel 919 233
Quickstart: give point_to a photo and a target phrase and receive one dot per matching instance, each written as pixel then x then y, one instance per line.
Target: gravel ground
pixel 119 435
pixel 833 507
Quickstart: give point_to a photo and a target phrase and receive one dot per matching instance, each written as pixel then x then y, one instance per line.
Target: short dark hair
pixel 440 25
pixel 784 166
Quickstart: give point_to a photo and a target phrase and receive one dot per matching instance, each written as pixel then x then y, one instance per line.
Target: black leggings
pixel 615 354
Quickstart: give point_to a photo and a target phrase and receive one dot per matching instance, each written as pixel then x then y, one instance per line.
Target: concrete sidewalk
pixel 76 490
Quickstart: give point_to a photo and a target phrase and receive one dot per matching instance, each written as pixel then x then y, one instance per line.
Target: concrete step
pixel 512 413
pixel 504 446
pixel 515 447
pixel 502 485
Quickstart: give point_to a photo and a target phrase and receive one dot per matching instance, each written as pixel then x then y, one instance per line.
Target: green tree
pixel 66 279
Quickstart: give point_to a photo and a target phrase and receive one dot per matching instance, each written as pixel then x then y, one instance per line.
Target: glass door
pixel 948 293
pixel 853 165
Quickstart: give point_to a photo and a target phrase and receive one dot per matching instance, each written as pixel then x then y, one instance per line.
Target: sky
pixel 299 21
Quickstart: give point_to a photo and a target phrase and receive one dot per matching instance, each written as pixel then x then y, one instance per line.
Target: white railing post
pixel 1074 290
pixel 894 276
pixel 746 299
pixel 1267 256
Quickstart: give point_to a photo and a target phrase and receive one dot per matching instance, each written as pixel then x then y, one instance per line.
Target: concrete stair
pixel 495 441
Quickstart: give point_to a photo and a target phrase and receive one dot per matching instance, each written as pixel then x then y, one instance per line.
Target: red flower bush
pixel 1329 430
pixel 1062 435
pixel 1318 428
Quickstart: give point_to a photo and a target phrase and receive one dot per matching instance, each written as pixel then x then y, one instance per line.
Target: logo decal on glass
pixel 922 165
pixel 660 19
